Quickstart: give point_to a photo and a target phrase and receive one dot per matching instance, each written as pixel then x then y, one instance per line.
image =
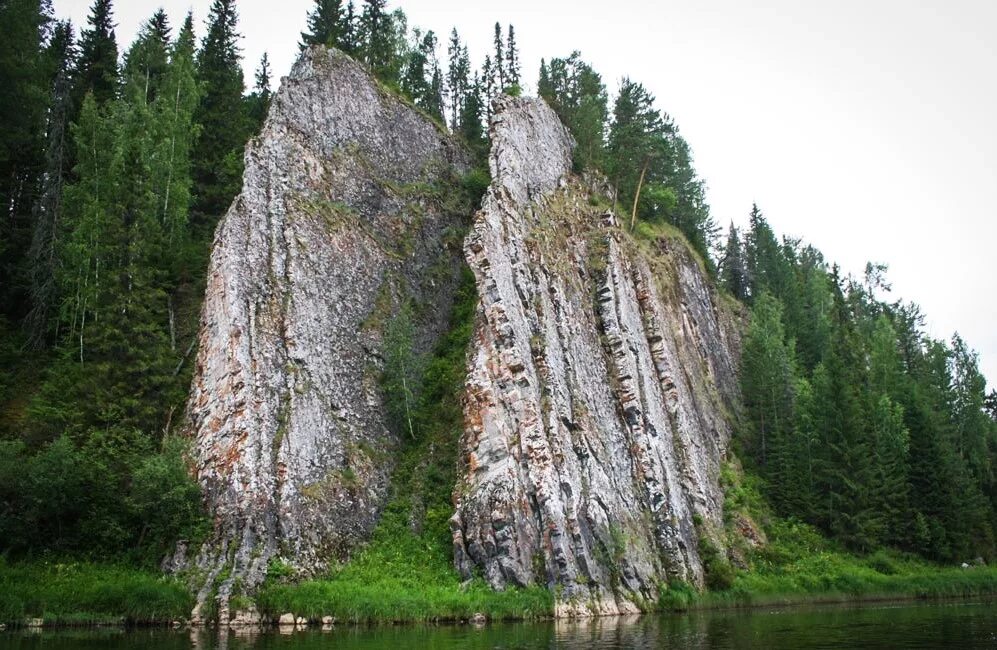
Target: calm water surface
pixel 965 626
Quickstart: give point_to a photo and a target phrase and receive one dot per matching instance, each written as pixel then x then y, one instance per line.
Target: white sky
pixel 869 128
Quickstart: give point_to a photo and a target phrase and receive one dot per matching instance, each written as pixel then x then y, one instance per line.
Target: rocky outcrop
pixel 600 377
pixel 341 217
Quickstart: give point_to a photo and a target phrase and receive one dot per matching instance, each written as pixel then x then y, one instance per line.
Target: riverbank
pixel 86 594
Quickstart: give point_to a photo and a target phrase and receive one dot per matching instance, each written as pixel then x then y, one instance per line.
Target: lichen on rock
pixel 599 382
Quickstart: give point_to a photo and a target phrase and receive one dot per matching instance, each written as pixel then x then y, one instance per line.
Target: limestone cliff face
pixel 599 380
pixel 340 217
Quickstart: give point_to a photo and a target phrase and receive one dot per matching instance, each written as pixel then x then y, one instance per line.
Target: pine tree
pixel 327 25
pixel 458 78
pixel 147 59
pixel 733 275
pixel 576 93
pixel 97 67
pixel 378 40
pixel 43 253
pixel 224 125
pixel 767 379
pixel 498 62
pixel 259 101
pixel 25 83
pixel 512 70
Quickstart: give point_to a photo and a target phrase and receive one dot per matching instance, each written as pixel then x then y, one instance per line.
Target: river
pixel 962 625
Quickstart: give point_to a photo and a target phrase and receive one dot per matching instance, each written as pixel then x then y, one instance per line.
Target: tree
pixel 259 100
pixel 458 78
pixel 767 378
pixel 47 213
pixel 499 61
pixel 217 159
pixel 576 93
pixel 147 59
pixel 733 274
pixel 377 36
pixel 327 25
pixel 512 70
pixel 97 66
pixel 26 82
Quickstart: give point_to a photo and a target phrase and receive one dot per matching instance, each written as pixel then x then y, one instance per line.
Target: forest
pixel 116 164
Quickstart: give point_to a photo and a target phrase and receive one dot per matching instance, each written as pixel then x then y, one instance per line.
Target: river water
pixel 962 625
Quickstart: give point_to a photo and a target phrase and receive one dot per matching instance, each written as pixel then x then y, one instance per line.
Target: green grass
pixel 78 593
pixel 800 566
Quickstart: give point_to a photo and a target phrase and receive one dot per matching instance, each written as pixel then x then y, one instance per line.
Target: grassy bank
pixel 799 566
pixel 81 593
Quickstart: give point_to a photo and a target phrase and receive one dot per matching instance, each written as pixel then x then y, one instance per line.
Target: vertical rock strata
pixel 340 218
pixel 600 375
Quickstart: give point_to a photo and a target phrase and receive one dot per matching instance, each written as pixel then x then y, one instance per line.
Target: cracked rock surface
pixel 339 219
pixel 601 373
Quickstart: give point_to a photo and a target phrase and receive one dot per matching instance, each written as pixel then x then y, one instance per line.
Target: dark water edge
pixel 965 625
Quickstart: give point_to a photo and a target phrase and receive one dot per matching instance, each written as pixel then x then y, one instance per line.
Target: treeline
pixel 112 182
pixel 637 146
pixel 858 421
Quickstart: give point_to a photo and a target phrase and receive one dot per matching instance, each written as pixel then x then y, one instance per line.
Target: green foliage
pixel 878 435
pixel 81 592
pixel 112 496
pixel 225 127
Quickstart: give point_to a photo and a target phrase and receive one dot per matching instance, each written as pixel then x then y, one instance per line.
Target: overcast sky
pixel 869 128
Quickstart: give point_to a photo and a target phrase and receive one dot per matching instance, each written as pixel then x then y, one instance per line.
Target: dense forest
pixel 115 167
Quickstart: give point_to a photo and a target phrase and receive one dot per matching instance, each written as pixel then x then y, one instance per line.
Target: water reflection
pixel 957 625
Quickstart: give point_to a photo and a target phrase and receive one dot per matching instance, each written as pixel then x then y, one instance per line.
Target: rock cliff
pixel 599 382
pixel 343 216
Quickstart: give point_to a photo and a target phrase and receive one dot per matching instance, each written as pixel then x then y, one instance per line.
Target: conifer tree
pixel 147 59
pixel 767 378
pixel 25 82
pixel 43 253
pixel 512 70
pixel 259 101
pixel 327 25
pixel 576 93
pixel 733 274
pixel 458 78
pixel 224 125
pixel 378 40
pixel 498 60
pixel 97 66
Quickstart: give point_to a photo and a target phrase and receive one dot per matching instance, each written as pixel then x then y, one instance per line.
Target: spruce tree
pixel 458 78
pixel 147 59
pixel 25 81
pixel 327 25
pixel 223 123
pixel 259 101
pixel 43 253
pixel 733 275
pixel 499 62
pixel 378 40
pixel 512 70
pixel 97 66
